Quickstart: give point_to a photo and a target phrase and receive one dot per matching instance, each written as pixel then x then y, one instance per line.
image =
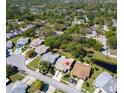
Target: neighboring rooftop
pixel 106 82
pixel 81 70
pixel 9 44
pixel 41 49
pixel 22 41
pixel 64 64
pixel 36 42
pixel 50 57
pixel 17 87
pixel 16 60
pixel 9 35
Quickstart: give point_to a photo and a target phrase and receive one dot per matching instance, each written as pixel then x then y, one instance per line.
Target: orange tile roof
pixel 81 70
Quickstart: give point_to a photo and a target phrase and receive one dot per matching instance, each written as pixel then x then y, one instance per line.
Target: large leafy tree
pixel 44 67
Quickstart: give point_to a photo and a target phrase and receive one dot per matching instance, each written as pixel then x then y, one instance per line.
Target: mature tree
pixel 111 39
pixel 36 85
pixel 10 70
pixel 29 33
pixel 50 41
pixel 44 67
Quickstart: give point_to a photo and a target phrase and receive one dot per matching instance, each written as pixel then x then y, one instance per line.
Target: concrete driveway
pixel 79 84
pixel 58 75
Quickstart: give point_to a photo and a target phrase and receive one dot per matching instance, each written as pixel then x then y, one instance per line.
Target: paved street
pixel 18 61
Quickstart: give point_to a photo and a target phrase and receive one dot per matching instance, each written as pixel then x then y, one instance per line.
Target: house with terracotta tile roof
pixel 81 70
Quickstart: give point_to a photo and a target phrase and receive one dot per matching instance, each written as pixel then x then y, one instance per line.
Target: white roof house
pixel 41 49
pixel 50 57
pixel 105 82
pixel 63 64
pixel 17 87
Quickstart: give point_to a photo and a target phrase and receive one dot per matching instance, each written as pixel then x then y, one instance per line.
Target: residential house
pixel 81 70
pixel 50 57
pixel 22 42
pixel 9 44
pixel 63 64
pixel 17 87
pixel 9 35
pixel 36 42
pixel 41 49
pixel 17 32
pixel 106 83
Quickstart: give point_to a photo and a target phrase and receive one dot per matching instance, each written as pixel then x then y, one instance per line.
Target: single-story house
pixel 17 87
pixel 106 83
pixel 50 57
pixel 36 42
pixel 22 42
pixel 9 44
pixel 41 49
pixel 17 32
pixel 81 70
pixel 63 64
pixel 9 35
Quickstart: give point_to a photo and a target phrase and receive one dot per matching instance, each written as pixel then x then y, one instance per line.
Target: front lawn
pixel 16 77
pixel 58 91
pixel 66 77
pixel 34 64
pixel 37 85
pixel 14 39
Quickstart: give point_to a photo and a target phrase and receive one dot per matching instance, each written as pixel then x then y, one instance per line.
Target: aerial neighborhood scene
pixel 61 46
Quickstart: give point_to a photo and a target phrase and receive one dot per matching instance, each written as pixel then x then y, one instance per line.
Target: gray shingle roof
pixel 50 57
pixel 9 35
pixel 106 82
pixel 22 41
pixel 17 87
pixel 9 44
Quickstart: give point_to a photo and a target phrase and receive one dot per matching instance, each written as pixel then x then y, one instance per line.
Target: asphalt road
pixel 19 61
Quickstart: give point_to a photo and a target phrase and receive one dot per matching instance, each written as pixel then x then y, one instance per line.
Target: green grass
pixel 91 80
pixel 23 73
pixel 36 85
pixel 16 77
pixel 58 91
pixel 66 77
pixel 100 56
pixel 97 71
pixel 14 40
pixel 34 64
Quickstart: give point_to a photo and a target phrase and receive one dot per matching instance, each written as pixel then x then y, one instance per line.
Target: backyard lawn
pixel 100 56
pixel 16 77
pixel 34 64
